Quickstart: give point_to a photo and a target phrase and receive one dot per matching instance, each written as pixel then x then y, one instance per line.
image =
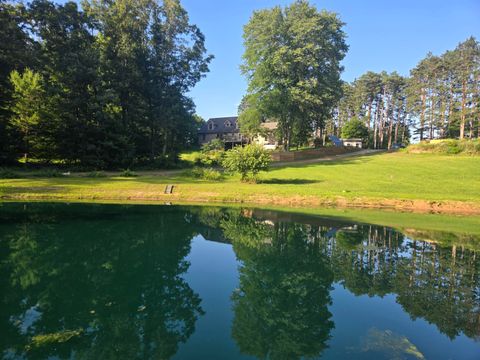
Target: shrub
pixel 211 174
pixel 248 161
pixel 215 144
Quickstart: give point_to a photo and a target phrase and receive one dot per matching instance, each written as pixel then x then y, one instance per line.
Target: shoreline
pixel 414 206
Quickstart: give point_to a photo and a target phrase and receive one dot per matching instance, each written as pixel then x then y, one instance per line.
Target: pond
pixel 84 281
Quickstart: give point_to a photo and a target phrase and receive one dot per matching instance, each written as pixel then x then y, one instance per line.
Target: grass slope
pixel 398 180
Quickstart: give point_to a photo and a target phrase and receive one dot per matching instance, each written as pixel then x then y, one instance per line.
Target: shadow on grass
pixel 16 190
pixel 325 162
pixel 288 181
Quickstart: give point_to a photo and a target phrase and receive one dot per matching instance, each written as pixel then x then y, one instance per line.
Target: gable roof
pixel 219 125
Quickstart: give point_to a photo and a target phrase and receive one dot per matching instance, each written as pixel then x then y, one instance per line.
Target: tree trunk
pixel 432 116
pixel 422 114
pixel 369 114
pixel 164 149
pixel 462 117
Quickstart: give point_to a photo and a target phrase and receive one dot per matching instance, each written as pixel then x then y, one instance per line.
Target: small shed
pixel 357 143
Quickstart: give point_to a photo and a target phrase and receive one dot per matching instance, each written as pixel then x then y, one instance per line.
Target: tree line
pixel 440 99
pixel 292 62
pixel 103 85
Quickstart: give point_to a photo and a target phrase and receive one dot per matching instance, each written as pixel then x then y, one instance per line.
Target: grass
pixel 447 146
pixel 425 181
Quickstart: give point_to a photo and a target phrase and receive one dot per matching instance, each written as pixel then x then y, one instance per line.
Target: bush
pixel 211 154
pixel 211 174
pixel 248 161
pixel 215 144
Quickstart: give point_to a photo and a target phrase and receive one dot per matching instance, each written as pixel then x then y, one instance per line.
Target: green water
pixel 160 282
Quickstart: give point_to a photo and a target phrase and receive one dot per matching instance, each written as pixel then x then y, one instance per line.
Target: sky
pixel 390 35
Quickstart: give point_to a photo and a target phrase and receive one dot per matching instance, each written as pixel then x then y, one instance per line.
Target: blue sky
pixel 382 35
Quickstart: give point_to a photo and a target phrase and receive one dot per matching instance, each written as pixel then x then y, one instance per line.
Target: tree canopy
pixel 115 76
pixel 292 64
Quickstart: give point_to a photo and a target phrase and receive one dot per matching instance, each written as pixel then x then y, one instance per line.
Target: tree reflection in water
pixel 290 262
pixel 112 276
pixel 101 282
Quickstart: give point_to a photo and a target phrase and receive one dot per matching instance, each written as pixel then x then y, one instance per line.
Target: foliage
pixel 291 78
pixel 205 174
pixel 115 81
pixel 215 144
pixel 248 161
pixel 440 99
pixel 449 146
pixel 250 117
pixel 6 173
pixel 28 107
pixel 355 129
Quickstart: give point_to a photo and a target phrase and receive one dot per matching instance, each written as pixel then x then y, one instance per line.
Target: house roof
pixel 219 125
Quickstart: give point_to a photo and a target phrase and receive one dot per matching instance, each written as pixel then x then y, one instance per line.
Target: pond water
pixel 82 281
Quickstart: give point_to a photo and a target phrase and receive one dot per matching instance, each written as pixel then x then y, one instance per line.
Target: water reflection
pixel 99 285
pixel 100 282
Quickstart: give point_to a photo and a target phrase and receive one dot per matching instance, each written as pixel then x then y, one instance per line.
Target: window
pixel 210 125
pixel 228 123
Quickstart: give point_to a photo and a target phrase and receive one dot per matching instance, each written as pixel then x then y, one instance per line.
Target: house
pixel 227 130
pixel 224 128
pixel 267 139
pixel 357 143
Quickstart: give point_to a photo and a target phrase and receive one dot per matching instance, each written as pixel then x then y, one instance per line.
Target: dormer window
pixel 210 125
pixel 228 124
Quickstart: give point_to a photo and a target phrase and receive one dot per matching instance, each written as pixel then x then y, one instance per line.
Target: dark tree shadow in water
pixel 110 287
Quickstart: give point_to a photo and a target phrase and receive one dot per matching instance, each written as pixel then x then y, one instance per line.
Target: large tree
pixel 292 63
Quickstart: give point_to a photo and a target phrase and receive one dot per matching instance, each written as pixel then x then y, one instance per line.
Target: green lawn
pixel 369 179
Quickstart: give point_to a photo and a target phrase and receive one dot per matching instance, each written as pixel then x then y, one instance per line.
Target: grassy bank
pixel 416 182
pixel 446 146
